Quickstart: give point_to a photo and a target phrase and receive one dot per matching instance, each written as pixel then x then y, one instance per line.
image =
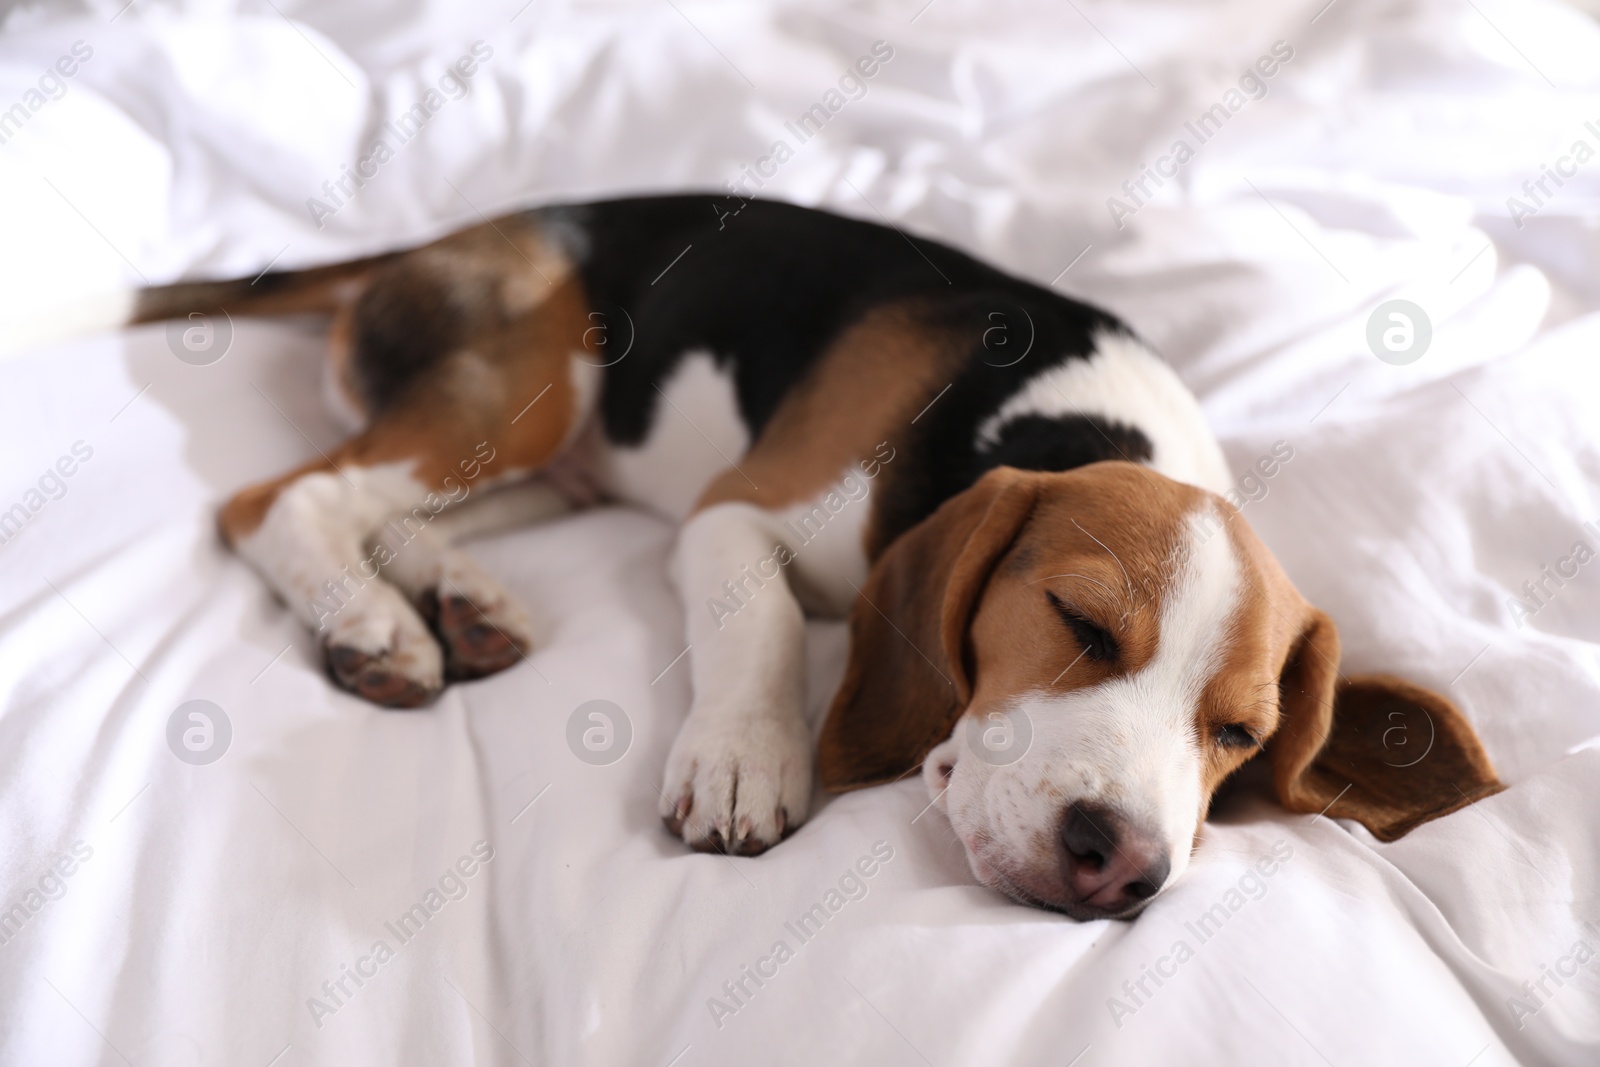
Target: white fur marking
pixel 318 526
pixel 695 433
pixel 586 379
pixel 1124 382
pixel 826 535
pixel 349 418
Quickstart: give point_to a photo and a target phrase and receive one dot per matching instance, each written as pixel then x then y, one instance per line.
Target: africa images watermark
pixel 398 532
pixel 1552 578
pixel 737 992
pixel 806 526
pixel 1399 332
pixel 453 884
pixel 599 732
pixel 1536 992
pixel 199 732
pixel 50 486
pixel 1251 886
pixel 1538 191
pixel 1250 487
pixel 52 86
pixel 454 84
pixel 1252 86
pixel 49 886
pixel 809 123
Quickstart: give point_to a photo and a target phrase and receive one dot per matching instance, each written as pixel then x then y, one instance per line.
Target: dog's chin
pixel 1082 914
pixel 1019 889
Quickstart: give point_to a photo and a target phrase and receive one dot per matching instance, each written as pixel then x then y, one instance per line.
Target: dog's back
pixel 756 319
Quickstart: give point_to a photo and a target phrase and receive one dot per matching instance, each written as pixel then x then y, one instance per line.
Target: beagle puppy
pixel 1053 610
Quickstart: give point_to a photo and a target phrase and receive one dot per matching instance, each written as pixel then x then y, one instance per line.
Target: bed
pixel 296 877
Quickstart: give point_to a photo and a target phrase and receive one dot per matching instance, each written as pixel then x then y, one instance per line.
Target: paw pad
pixel 475 643
pixel 377 678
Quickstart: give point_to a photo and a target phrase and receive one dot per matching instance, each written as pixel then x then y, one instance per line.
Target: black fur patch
pixel 766 289
pixel 1061 442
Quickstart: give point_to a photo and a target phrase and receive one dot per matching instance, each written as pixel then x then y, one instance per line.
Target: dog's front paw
pixel 380 649
pixel 737 784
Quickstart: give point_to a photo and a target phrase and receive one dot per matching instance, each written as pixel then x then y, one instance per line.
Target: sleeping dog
pixel 1053 611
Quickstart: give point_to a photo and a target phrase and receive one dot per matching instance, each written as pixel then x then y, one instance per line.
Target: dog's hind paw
pixel 483 630
pixel 383 652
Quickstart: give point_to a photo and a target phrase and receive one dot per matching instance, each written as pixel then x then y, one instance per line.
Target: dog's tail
pixel 319 289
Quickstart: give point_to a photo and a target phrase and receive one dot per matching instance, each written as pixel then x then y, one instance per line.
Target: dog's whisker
pixel 1113 555
pixel 1073 574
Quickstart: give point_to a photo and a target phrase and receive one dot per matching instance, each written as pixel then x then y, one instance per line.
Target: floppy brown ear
pixel 907 681
pixel 1373 748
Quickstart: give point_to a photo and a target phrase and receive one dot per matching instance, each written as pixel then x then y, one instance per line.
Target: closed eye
pixel 1235 736
pixel 1097 642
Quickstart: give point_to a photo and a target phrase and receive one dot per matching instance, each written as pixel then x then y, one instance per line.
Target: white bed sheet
pixel 216 900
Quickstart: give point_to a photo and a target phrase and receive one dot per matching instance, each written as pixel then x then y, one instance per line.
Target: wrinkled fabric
pixel 216 913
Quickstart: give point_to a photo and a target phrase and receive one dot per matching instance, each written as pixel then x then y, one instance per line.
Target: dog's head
pixel 1080 659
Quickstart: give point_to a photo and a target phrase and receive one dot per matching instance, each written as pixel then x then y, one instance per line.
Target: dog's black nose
pixel 1112 863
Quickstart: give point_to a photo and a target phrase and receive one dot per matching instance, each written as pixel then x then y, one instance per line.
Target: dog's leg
pixel 739 774
pixel 324 535
pixel 308 534
pixel 482 627
pixel 331 537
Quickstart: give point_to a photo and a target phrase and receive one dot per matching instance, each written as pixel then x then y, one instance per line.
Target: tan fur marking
pixel 243 513
pixel 479 392
pixel 866 388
